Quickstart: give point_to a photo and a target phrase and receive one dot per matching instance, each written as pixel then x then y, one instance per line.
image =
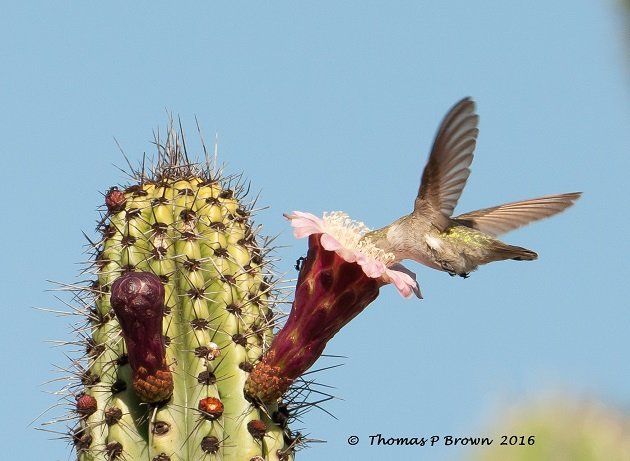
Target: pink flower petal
pixel 305 224
pixel 404 280
pixel 348 255
pixel 371 267
pixel 330 243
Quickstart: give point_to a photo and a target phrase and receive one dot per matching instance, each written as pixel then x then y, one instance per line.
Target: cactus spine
pixel 186 227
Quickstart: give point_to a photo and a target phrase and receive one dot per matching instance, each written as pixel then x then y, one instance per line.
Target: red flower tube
pixel 341 275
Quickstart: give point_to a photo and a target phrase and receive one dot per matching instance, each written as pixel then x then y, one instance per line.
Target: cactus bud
pixel 257 428
pixel 138 300
pixel 86 405
pixel 115 200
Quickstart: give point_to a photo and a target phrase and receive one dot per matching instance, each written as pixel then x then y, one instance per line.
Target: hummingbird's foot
pixel 448 267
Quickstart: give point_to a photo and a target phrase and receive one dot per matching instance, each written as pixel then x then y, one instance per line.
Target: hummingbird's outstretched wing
pixel 504 218
pixel 447 169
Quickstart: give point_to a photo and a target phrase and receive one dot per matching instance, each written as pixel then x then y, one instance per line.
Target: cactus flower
pixel 341 275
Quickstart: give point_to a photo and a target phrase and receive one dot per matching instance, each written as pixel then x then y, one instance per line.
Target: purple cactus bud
pixel 138 300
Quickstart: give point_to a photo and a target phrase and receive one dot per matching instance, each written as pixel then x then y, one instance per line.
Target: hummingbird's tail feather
pixel 502 251
pixel 523 254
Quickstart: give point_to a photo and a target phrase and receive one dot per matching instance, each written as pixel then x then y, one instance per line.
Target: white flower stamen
pixel 350 234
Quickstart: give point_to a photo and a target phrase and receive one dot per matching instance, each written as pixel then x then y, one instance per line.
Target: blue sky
pixel 333 106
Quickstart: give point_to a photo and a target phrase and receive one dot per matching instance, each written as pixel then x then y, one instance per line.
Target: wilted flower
pixel 138 301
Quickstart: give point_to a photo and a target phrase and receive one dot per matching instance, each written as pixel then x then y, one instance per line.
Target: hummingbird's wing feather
pixel 504 218
pixel 447 169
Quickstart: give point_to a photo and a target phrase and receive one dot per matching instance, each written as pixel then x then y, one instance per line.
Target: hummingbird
pixel 458 245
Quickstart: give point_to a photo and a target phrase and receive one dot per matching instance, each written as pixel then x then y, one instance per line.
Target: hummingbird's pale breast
pixel 409 238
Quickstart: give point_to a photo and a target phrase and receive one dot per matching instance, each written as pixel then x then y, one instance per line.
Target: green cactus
pixel 181 361
pixel 181 269
pixel 558 428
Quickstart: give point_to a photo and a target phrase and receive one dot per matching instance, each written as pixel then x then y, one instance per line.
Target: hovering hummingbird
pixel 458 245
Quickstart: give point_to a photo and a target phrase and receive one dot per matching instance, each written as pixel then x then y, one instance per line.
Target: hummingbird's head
pixel 378 238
